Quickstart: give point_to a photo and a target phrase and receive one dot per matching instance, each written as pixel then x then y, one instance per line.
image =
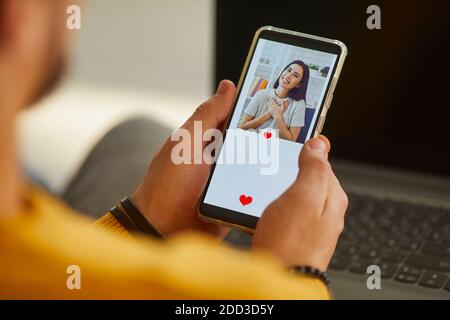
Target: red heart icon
pixel 267 135
pixel 245 200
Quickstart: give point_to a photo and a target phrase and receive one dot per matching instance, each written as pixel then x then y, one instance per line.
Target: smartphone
pixel 284 93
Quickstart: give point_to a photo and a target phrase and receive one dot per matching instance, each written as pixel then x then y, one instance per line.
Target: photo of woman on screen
pixel 283 106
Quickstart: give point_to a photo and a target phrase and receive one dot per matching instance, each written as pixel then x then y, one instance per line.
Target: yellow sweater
pixel 38 245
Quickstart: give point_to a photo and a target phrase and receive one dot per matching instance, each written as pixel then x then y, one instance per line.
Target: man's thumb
pixel 216 109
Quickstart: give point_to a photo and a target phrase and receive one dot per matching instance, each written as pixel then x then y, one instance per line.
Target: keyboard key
pixel 348 251
pixel 349 235
pixel 428 262
pixel 447 286
pixel 433 280
pixel 362 234
pixel 389 262
pixel 394 255
pixel 371 241
pixel 408 275
pixel 436 236
pixel 391 242
pixel 406 278
pixel 414 232
pixel 387 270
pixel 359 267
pixel 411 270
pixel 408 245
pixel 371 254
pixel 437 249
pixel 339 263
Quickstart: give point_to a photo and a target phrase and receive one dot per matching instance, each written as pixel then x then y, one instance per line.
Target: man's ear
pixel 2 18
pixel 21 27
pixel 9 20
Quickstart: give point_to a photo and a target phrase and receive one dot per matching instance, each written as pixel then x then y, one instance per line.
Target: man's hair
pixel 298 93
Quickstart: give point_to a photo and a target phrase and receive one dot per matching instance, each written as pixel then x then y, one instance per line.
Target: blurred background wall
pixel 158 46
pixel 138 58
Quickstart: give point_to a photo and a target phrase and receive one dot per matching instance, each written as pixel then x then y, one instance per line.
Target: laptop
pixel 389 127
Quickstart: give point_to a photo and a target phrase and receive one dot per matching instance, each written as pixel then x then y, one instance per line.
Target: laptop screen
pixel 391 106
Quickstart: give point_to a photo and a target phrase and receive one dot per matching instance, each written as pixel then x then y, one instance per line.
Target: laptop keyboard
pixel 409 242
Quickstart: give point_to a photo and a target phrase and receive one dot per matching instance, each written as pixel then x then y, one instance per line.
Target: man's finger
pixel 337 203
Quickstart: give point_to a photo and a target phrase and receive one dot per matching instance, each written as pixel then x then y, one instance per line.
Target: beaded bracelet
pixel 321 275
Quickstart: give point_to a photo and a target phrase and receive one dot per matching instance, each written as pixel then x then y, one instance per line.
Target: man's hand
pixel 302 226
pixel 169 194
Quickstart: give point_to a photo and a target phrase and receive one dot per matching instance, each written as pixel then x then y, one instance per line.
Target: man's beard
pixel 53 78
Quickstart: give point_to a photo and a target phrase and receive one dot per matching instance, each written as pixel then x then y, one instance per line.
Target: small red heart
pixel 267 135
pixel 245 200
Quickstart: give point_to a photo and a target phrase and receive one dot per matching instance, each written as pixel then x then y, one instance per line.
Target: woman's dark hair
pixel 298 93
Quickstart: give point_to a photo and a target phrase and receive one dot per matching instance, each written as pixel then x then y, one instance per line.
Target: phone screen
pixel 276 112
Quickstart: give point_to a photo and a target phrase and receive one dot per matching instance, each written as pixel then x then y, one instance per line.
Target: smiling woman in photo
pixel 283 106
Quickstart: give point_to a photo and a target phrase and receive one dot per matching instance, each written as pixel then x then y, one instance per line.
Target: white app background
pixel 230 181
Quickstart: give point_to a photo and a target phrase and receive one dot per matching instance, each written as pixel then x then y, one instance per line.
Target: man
pixel 40 238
